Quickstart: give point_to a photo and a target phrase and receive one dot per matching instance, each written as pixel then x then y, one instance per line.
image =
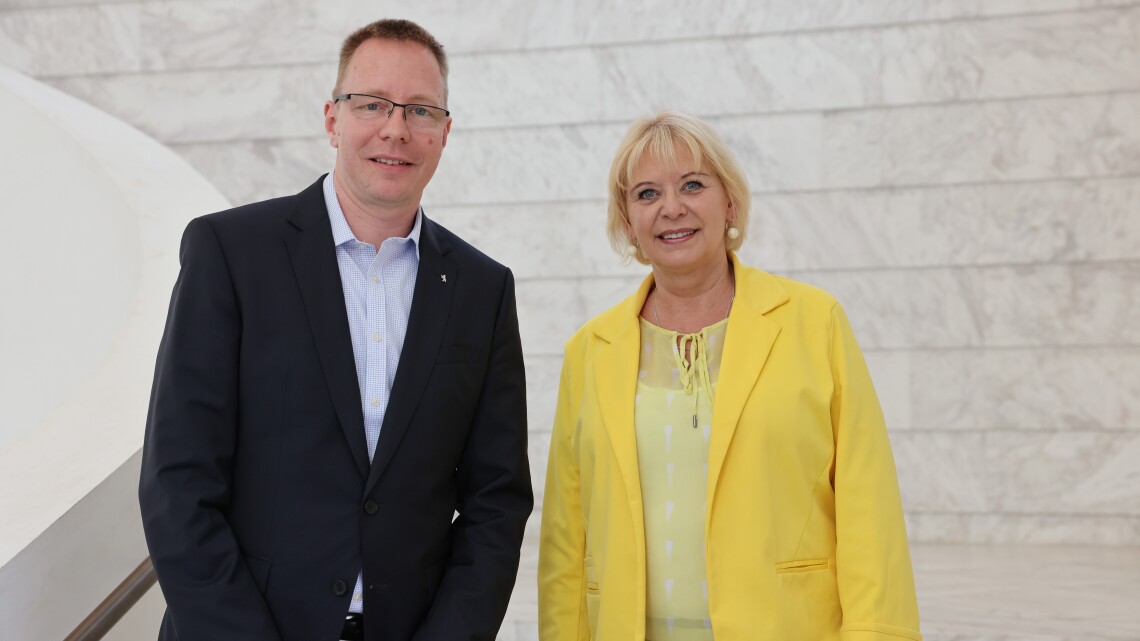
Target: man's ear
pixel 330 124
pixel 446 130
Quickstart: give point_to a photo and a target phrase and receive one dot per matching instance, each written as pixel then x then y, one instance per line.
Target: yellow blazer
pixel 804 525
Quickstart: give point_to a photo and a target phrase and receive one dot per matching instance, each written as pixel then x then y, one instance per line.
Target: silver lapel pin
pixel 443 278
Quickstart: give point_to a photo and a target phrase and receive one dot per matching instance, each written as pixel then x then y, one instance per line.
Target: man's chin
pixel 389 199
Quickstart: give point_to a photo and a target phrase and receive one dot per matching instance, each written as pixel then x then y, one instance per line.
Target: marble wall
pixel 963 174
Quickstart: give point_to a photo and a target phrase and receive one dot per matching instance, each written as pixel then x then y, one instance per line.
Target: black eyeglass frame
pixel 403 107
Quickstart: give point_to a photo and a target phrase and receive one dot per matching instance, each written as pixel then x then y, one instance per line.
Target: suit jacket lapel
pixel 431 303
pixel 747 343
pixel 313 255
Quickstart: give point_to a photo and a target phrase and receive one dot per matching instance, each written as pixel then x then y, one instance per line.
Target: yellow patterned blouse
pixel 676 381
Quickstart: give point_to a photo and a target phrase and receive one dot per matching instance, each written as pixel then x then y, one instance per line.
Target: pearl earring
pixel 732 232
pixel 631 250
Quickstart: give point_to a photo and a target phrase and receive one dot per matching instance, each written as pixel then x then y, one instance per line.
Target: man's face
pixel 381 164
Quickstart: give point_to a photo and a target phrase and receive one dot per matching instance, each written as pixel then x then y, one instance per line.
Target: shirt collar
pixel 342 233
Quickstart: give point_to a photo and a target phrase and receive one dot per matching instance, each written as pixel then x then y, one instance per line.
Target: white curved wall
pixel 71 262
pixel 93 215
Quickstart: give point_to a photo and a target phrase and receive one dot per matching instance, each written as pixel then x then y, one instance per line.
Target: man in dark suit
pixel 336 443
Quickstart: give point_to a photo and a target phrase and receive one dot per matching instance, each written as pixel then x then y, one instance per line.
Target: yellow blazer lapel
pixel 747 343
pixel 615 376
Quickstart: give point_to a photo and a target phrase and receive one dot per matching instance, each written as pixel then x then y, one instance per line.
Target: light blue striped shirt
pixel 378 288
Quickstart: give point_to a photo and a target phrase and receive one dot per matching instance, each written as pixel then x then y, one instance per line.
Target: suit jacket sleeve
pixel 876 584
pixel 188 452
pixel 495 497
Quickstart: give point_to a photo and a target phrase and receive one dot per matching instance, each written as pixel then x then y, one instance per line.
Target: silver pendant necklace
pixel 657 319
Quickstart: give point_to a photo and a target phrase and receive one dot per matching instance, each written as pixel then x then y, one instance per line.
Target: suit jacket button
pixel 339 587
pixel 370 507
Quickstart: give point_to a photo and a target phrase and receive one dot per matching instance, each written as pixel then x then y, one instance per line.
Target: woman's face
pixel 677 214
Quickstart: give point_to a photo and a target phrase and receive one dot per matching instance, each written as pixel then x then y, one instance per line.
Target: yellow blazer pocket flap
pixel 802 565
pixel 591 574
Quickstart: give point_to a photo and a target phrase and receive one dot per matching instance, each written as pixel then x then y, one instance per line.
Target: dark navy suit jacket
pixel 258 500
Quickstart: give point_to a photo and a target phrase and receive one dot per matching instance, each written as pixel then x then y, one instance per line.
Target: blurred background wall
pixel 963 174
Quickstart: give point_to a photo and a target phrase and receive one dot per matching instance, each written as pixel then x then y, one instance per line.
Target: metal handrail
pixel 115 606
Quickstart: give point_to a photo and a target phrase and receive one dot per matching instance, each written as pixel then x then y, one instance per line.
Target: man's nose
pixel 394 126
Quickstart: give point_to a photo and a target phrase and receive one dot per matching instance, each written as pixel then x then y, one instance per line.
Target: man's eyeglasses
pixel 366 107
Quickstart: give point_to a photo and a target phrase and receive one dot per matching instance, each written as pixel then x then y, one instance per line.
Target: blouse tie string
pixel 691 354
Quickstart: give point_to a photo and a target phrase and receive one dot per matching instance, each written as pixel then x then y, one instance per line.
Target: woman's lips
pixel 678 236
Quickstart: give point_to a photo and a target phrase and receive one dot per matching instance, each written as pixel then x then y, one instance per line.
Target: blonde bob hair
pixel 659 136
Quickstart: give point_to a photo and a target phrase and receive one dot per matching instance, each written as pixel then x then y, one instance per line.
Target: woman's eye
pixel 647 194
pixel 692 185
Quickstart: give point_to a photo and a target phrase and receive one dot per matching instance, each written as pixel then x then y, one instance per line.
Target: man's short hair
pixel 389 29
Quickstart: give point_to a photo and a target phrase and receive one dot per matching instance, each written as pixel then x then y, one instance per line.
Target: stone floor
pixel 974 593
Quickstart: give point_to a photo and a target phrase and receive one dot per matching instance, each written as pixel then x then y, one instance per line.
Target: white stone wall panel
pixel 963 174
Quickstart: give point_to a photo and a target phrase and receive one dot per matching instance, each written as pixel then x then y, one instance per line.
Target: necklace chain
pixel 657 319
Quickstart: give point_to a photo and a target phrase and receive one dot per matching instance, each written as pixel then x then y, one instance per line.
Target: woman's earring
pixel 732 232
pixel 631 250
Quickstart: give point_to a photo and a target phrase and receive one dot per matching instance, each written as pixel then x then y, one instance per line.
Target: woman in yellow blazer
pixel 774 513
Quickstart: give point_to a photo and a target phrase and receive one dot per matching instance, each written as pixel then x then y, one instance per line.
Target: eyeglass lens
pixel 373 107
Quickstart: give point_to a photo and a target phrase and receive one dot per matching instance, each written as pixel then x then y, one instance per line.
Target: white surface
pixel 940 157
pixel 1004 592
pixel 964 175
pixel 71 265
pixel 106 205
pixel 51 585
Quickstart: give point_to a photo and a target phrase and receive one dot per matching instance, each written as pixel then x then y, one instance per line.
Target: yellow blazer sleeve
pixel 876 582
pixel 562 542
